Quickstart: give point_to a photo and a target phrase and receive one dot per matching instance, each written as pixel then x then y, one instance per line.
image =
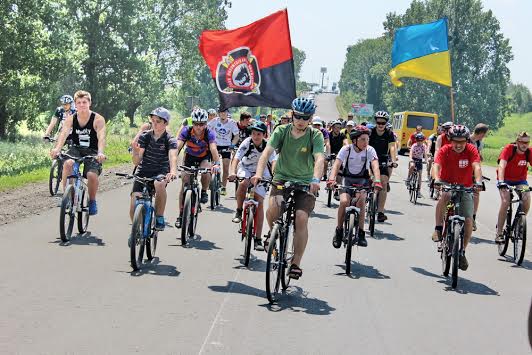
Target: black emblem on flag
pixel 238 72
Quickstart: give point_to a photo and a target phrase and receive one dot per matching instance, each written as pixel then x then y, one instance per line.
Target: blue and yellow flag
pixel 422 51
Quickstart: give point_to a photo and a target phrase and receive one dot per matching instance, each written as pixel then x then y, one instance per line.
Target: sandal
pixel 295 272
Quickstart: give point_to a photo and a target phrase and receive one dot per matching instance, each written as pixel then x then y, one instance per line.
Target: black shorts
pixel 226 154
pixel 418 163
pixel 191 160
pixel 138 187
pixel 350 181
pixel 90 165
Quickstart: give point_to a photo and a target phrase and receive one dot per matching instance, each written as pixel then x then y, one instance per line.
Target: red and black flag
pixel 252 65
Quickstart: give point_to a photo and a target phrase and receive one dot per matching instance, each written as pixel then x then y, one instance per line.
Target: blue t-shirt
pixel 197 146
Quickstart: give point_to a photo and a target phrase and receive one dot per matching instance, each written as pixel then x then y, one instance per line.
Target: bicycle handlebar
pixel 142 179
pixel 78 159
pixel 455 188
pixel 193 169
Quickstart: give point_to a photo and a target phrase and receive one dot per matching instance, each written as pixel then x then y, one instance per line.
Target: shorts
pixel 466 205
pixel 224 155
pixel 516 183
pixel 261 189
pixel 349 181
pixel 138 187
pixel 418 163
pixel 191 160
pixel 304 200
pixel 90 165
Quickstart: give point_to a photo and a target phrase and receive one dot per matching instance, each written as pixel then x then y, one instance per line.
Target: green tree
pixel 299 58
pixel 520 98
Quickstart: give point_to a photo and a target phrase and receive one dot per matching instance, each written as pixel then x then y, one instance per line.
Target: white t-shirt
pixel 249 163
pixel 224 131
pixel 418 150
pixel 356 159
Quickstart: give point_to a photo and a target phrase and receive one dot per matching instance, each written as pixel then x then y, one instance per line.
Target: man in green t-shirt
pixel 300 160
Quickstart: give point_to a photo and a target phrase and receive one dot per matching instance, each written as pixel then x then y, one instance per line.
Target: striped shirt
pixel 155 158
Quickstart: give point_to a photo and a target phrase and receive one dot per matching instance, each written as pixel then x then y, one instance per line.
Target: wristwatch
pixel 315 180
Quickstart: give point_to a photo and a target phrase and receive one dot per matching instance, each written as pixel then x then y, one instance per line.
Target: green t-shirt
pixel 295 162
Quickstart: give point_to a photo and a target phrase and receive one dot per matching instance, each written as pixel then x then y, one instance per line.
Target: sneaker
pixel 381 217
pixel 93 208
pixel 178 221
pixel 238 216
pixel 462 262
pixel 499 239
pixel 474 225
pixel 222 191
pixel 337 239
pixel 160 223
pixel 362 242
pixel 436 236
pixel 204 197
pixel 258 244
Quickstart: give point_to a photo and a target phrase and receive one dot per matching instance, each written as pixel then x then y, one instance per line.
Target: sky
pixel 324 29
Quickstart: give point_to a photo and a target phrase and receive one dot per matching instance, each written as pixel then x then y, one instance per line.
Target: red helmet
pixel 358 131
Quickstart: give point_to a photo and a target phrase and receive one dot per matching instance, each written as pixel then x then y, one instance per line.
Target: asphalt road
pixel 82 298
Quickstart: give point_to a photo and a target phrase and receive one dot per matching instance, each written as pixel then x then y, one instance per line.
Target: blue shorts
pixel 516 183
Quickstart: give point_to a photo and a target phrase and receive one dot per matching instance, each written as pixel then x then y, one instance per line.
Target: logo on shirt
pixel 463 163
pixel 522 163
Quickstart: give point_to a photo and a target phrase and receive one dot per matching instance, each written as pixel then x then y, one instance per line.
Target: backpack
pixel 288 129
pixel 514 152
pixel 262 146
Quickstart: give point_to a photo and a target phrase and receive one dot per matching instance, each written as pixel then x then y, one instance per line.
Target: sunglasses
pixel 199 124
pixel 524 142
pixel 301 117
pixel 380 123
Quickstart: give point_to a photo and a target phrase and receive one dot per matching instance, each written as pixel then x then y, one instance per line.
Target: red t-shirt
pixel 412 139
pixel 458 167
pixel 516 169
pixel 444 140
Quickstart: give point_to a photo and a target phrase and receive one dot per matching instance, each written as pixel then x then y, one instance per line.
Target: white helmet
pixel 317 120
pixel 199 115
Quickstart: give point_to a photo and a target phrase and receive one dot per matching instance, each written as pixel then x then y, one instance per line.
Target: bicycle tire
pixel 185 218
pixel 151 245
pixel 502 248
pixel 351 220
pixel 445 255
pixel 237 183
pixel 456 255
pixel 520 240
pixel 329 196
pixel 83 214
pixel 250 224
pixel 372 215
pixel 67 215
pixel 431 189
pixel 273 269
pixel 54 179
pixel 212 196
pixel 137 238
pixel 415 188
pixel 287 249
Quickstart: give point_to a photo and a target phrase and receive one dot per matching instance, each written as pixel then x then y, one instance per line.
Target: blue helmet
pixel 66 99
pixel 303 106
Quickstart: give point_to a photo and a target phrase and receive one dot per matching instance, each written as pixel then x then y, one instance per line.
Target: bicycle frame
pixel 251 203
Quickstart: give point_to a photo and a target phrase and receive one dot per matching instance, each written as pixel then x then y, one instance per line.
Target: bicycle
pixel 515 230
pixel 143 232
pixel 330 189
pixel 216 184
pixel 413 182
pixel 191 206
pixel 280 245
pixel 452 245
pixel 75 202
pixel 56 171
pixel 351 226
pixel 372 199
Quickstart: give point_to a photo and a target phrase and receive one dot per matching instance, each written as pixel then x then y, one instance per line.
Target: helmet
pixel 162 113
pixel 66 99
pixel 303 106
pixel 358 131
pixel 259 126
pixel 459 131
pixel 382 114
pixel 317 120
pixel 336 122
pixel 211 111
pixel 199 115
pixel 446 125
pixel 419 137
pixel 350 123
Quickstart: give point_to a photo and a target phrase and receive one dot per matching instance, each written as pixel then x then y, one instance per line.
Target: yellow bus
pixel 404 124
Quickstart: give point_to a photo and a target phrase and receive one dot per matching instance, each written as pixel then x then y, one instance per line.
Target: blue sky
pixel 324 29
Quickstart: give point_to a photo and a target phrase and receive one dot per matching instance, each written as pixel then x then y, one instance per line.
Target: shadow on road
pixel 477 240
pixel 394 212
pixel 464 286
pixel 524 265
pixel 221 209
pixel 387 236
pixel 294 299
pixel 320 216
pixel 198 243
pixel 81 239
pixel 255 264
pixel 154 267
pixel 422 204
pixel 359 270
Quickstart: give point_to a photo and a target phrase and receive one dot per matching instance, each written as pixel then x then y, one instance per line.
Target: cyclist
pixel 455 163
pixel 357 160
pixel 243 126
pixel 350 118
pixel 317 123
pixel 88 138
pixel 227 135
pixel 155 154
pixel 300 160
pixel 412 139
pixel 337 140
pixel 383 140
pixel 246 159
pixel 443 138
pixel 61 113
pixel 418 153
pixel 200 148
pixel 347 131
pixel 283 121
pixel 512 171
pixel 211 114
pixel 479 132
pixel 431 144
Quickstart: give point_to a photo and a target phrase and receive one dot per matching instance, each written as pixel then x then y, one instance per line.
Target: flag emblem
pixel 238 72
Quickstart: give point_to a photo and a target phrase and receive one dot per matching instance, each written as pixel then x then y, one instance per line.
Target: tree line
pixel 479 58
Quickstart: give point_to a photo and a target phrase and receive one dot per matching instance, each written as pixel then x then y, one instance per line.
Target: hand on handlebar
pixel 377 186
pixel 231 177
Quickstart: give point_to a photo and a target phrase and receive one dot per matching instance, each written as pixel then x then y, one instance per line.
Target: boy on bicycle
pixel 418 154
pixel 455 163
pixel 357 159
pixel 155 153
pixel 246 159
pixel 513 171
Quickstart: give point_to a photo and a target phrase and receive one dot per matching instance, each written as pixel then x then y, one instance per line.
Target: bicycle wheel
pixel 445 250
pixel 151 244
pixel 372 214
pixel 503 247
pixel 67 214
pixel 213 187
pixel 273 266
pixel 287 254
pixel 83 213
pixel 350 228
pixel 519 239
pixel 185 218
pixel 137 238
pixel 456 255
pixel 250 225
pixel 329 196
pixel 54 178
pixel 236 187
pixel 415 187
pixel 431 188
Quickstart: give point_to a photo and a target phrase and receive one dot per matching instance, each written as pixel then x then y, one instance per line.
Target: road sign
pixel 363 110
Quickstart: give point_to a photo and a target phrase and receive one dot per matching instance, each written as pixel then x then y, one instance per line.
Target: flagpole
pixel 452 105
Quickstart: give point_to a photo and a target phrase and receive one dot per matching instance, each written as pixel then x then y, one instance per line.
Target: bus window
pixel 424 121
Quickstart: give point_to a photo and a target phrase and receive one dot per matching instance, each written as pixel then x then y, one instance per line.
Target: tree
pixel 520 98
pixel 299 57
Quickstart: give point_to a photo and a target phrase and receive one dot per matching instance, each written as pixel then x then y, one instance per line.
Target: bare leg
pixel 300 236
pixel 160 197
pixel 93 184
pixel 383 193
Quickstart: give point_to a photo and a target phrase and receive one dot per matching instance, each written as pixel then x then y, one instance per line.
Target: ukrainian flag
pixel 422 51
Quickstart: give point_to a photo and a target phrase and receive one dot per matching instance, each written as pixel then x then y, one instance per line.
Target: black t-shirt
pixel 155 158
pixel 380 143
pixel 243 133
pixel 336 142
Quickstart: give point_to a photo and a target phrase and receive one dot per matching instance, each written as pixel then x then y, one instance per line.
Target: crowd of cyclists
pixel 297 149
